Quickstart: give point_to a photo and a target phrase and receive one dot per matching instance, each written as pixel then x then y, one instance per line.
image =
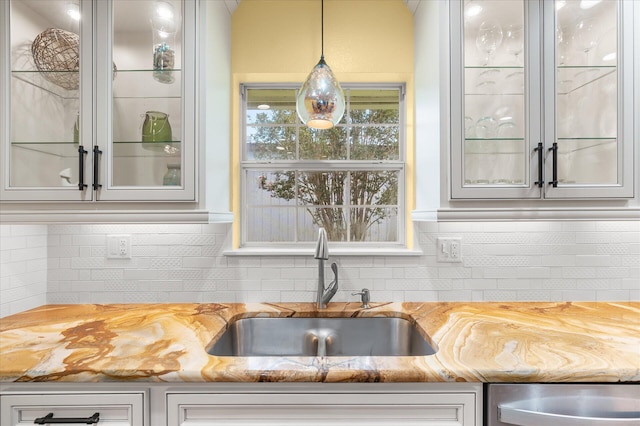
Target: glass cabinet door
pixel 491 133
pixel 46 72
pixel 588 155
pixel 150 85
pixel 99 100
pixel 542 99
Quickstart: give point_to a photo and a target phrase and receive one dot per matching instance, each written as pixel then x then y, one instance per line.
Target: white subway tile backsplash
pixel 533 295
pixel 420 296
pixel 480 284
pixel 90 286
pixel 264 273
pixel 23 267
pixel 500 295
pixel 518 284
pixel 579 272
pixel 226 274
pixel 630 261
pixel 298 273
pixel 618 272
pixel 186 274
pixel 198 285
pixel 197 262
pixel 107 274
pixel 442 284
pixel 501 261
pixel 421 272
pixel 406 285
pixel 277 285
pixel 533 272
pixel 457 272
pixel 580 295
pixel 593 238
pixel 159 286
pixel 370 273
pixel 578 226
pixel 607 295
pixel 618 226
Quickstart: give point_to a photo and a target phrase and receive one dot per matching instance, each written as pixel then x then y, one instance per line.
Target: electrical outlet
pixel 449 249
pixel 118 246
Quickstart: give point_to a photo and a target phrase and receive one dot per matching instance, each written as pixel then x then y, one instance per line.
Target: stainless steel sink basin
pixel 322 337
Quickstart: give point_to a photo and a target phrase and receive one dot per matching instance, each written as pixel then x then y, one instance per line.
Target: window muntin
pixel 349 179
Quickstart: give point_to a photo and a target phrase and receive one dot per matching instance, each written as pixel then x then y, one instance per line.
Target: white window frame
pixel 326 165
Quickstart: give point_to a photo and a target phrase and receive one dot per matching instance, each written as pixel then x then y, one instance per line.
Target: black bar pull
pixel 49 420
pixel 540 150
pixel 554 148
pixel 96 161
pixel 81 153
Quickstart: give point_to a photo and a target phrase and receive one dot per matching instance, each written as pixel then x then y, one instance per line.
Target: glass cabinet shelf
pixel 569 145
pixel 509 80
pixel 494 139
pixel 571 78
pixel 138 83
pixel 482 80
pixel 121 149
pixel 37 79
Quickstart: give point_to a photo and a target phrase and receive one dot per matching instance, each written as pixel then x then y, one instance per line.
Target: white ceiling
pixel 411 4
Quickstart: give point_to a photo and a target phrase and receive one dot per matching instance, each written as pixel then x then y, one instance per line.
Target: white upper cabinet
pixel 99 100
pixel 542 99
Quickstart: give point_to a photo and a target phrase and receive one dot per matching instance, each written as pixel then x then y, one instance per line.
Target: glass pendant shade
pixel 320 103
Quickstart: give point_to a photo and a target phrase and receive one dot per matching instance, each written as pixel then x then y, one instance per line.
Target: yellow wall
pixel 280 41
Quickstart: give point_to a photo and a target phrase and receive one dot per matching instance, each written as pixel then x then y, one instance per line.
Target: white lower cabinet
pixel 63 407
pixel 315 406
pixel 242 404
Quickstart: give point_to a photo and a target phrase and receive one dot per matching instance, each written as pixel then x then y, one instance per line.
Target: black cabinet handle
pixel 540 150
pixel 554 149
pixel 81 153
pixel 96 161
pixel 49 420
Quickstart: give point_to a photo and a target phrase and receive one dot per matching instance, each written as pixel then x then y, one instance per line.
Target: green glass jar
pixel 156 131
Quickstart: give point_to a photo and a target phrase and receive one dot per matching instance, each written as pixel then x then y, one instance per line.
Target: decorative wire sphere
pixel 56 54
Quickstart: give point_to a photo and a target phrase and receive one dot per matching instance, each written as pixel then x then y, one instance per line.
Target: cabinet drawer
pixel 117 409
pixel 319 409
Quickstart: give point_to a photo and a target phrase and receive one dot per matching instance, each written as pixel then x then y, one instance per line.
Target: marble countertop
pixel 477 342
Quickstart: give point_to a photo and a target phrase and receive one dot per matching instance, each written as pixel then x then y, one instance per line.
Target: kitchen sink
pixel 379 336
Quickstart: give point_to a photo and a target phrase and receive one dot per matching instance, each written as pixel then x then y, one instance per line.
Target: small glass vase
pixel 172 176
pixel 163 63
pixel 156 131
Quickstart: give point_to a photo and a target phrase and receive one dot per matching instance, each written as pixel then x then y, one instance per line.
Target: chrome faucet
pixel 322 253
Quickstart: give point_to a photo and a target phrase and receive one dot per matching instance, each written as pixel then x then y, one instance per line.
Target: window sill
pixel 309 252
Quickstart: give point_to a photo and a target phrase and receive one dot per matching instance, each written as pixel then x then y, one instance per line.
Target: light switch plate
pixel 449 249
pixel 118 246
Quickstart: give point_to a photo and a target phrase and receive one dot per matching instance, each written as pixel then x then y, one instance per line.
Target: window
pixel 349 179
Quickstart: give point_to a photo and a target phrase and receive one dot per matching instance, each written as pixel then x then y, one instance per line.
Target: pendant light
pixel 320 102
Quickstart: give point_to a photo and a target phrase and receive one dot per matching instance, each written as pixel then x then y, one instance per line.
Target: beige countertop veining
pixel 477 342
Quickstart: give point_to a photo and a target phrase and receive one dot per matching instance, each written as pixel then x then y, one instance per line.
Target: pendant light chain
pixel 322 30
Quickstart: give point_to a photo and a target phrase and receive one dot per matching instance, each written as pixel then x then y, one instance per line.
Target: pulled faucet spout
pixel 322 253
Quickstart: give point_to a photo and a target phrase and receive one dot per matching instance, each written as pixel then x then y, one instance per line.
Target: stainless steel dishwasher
pixel 569 404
